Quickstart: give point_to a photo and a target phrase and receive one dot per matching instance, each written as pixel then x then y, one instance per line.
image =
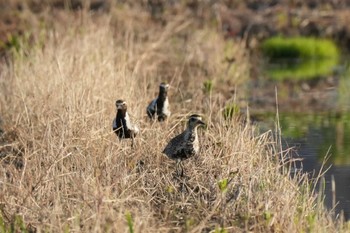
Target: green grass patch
pixel 303 70
pixel 299 48
pixel 300 57
pixel 208 86
pixel 230 110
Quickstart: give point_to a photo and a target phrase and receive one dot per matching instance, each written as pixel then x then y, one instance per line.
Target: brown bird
pixel 122 125
pixel 186 144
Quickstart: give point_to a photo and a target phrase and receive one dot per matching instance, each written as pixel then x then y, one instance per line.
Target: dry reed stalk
pixel 78 177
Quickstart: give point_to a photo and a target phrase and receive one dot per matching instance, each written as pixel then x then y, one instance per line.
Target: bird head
pixel 163 87
pixel 121 105
pixel 195 120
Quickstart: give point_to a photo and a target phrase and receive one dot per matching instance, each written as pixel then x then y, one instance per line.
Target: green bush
pixel 300 57
pixel 307 69
pixel 299 47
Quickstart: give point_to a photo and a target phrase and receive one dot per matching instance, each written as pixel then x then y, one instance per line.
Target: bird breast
pixel 191 138
pixel 165 109
pixel 129 124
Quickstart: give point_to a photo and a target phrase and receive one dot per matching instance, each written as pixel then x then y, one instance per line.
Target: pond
pixel 314 116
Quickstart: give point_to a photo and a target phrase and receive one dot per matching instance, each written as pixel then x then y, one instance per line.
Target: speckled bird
pixel 186 144
pixel 160 105
pixel 122 125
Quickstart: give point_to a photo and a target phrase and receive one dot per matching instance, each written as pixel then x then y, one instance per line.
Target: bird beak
pixel 201 122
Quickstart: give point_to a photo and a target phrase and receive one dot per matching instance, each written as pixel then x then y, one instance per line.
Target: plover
pixel 122 124
pixel 186 144
pixel 160 105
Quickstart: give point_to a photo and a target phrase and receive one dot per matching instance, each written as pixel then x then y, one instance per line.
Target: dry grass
pixel 57 102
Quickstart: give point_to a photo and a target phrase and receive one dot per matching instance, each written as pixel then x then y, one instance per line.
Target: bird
pixel 122 125
pixel 160 105
pixel 186 144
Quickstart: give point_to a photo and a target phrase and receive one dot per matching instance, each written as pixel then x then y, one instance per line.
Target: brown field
pixel 63 169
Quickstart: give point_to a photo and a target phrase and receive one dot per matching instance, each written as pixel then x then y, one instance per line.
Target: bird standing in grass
pixel 122 124
pixel 186 144
pixel 160 105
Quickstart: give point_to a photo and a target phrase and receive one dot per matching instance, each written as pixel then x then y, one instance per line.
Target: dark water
pixel 314 115
pixel 321 146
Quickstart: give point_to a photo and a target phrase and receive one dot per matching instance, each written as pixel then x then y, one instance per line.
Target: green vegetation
pixel 301 70
pixel 17 225
pixel 230 111
pixel 299 48
pixel 130 222
pixel 223 185
pixel 208 86
pixel 300 57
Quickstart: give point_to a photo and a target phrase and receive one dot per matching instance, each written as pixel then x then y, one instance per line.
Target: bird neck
pixel 162 95
pixel 121 113
pixel 192 129
pixel 191 134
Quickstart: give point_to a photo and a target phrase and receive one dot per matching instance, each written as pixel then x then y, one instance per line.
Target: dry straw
pixel 58 102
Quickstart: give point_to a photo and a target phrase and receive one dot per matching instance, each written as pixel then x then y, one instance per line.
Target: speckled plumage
pixel 160 106
pixel 122 125
pixel 186 144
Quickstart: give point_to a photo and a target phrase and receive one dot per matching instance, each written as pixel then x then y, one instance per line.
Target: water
pixel 314 115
